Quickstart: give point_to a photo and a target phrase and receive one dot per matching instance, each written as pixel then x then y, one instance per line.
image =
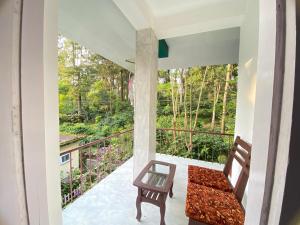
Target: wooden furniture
pixel 154 184
pixel 240 151
pixel 213 203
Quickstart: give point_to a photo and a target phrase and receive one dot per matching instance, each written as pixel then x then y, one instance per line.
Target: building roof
pixel 65 139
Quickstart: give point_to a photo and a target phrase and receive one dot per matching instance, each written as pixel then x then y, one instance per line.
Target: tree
pixel 200 96
pixel 228 75
pixel 94 89
pixel 216 89
pixel 90 84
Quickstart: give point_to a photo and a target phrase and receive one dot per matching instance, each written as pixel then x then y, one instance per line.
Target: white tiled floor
pixel 112 201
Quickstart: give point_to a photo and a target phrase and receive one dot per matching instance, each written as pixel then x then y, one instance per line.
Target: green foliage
pixel 65 184
pixel 89 85
pixel 93 101
pixel 213 148
pixel 77 128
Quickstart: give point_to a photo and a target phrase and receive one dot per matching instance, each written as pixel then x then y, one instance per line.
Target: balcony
pixel 29 131
pixel 111 200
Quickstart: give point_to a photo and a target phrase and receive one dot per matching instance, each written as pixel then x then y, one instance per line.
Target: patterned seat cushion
pixel 209 178
pixel 214 207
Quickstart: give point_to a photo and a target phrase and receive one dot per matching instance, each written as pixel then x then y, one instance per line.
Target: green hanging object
pixel 163 49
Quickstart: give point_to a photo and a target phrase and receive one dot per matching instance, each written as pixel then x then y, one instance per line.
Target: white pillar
pixel 12 188
pixel 39 81
pixel 145 84
pixel 247 79
pixel 263 111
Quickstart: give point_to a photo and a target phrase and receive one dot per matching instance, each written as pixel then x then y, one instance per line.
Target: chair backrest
pixel 241 152
pixel 240 186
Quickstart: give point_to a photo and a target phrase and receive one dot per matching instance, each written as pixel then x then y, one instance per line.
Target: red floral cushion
pixel 209 178
pixel 212 206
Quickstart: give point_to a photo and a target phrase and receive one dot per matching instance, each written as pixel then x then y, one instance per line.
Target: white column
pixel 39 82
pixel 263 111
pixel 145 84
pixel 247 78
pixel 12 191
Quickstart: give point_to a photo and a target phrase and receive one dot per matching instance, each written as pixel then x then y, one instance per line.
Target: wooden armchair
pixel 241 151
pixel 210 203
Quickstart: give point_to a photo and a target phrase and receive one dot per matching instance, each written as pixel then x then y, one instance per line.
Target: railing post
pixel 90 166
pixel 81 179
pixel 98 162
pixel 71 177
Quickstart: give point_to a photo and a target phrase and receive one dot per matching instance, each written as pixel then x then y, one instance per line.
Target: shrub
pixel 70 118
pixel 204 147
pixel 77 128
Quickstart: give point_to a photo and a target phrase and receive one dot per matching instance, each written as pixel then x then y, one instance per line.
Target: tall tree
pixel 227 79
pixel 200 96
pixel 122 86
pixel 217 88
pixel 174 95
pixel 89 84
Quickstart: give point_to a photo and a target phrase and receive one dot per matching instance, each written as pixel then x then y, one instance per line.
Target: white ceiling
pixel 168 7
pixel 172 18
pixel 108 27
pixel 100 26
pixel 209 48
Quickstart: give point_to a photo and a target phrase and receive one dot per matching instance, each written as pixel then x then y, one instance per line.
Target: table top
pixel 156 176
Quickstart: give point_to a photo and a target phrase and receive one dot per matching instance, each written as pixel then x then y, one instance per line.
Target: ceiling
pixel 209 48
pixel 100 26
pixel 172 18
pixel 167 7
pixel 108 27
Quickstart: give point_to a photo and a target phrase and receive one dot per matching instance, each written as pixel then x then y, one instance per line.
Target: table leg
pixel 171 191
pixel 138 205
pixel 162 212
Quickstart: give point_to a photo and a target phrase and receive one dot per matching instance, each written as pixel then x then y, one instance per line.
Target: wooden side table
pixel 154 184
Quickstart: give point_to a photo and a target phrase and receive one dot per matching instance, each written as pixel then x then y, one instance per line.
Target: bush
pixel 70 118
pixel 222 159
pixel 204 147
pixel 114 123
pixel 77 128
pixel 98 119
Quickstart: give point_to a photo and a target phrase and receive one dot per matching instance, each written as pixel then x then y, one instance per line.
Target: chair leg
pixel 194 222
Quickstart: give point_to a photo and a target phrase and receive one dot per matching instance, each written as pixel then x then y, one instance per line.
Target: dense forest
pixel 93 95
pixel 198 98
pixel 92 92
pixel 96 100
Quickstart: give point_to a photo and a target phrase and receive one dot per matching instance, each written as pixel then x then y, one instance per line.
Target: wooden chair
pixel 240 151
pixel 206 205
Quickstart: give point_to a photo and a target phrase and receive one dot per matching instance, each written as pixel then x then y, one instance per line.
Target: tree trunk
pixel 200 96
pixel 122 87
pixel 217 88
pixel 77 76
pixel 79 106
pixel 184 107
pixel 174 95
pixel 228 75
pixel 127 87
pixel 110 95
pixel 181 89
pixel 191 137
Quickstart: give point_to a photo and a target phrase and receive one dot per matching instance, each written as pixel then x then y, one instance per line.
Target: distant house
pixel 68 142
